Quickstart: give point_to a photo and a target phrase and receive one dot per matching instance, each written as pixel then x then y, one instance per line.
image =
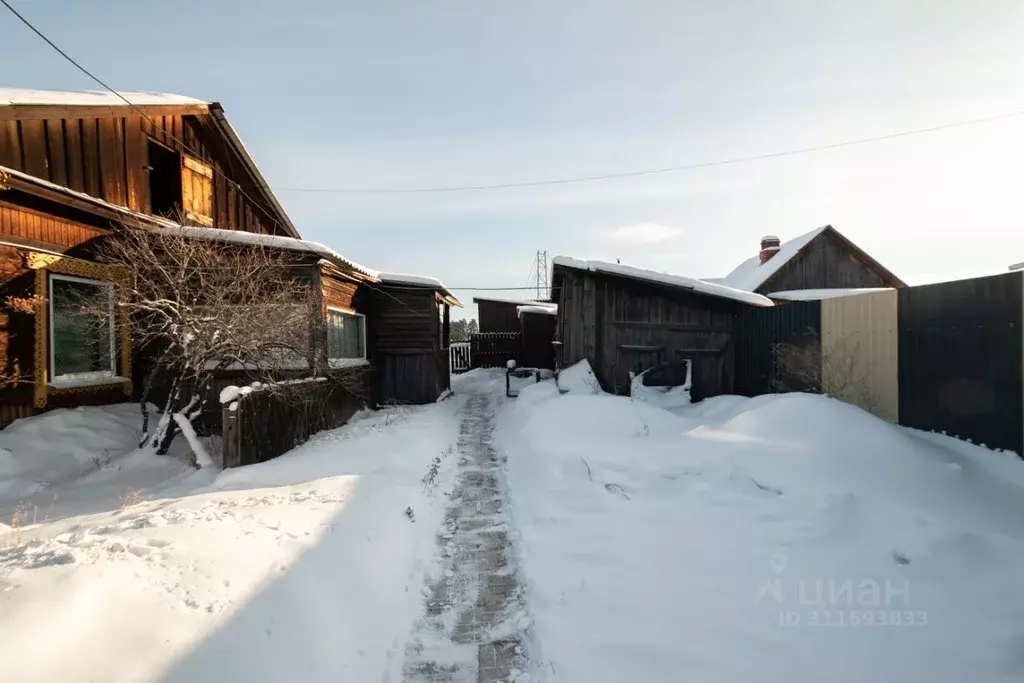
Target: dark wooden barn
pixel 500 315
pixel 626 320
pixel 409 329
pixel 820 259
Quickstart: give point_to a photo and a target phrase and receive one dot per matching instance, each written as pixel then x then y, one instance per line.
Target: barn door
pixel 633 359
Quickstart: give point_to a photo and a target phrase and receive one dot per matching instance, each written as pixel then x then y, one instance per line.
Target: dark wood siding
pixel 17 338
pixel 624 326
pixel 825 263
pixel 497 316
pixel 106 157
pixel 404 336
pixel 37 229
pixel 538 333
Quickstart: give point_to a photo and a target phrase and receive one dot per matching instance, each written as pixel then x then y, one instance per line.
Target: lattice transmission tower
pixel 543 284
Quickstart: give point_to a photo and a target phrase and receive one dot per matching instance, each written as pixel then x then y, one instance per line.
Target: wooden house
pixel 625 319
pixel 409 332
pixel 822 259
pixel 75 167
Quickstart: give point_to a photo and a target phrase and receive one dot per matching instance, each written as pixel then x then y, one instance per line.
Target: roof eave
pixel 217 114
pixel 36 112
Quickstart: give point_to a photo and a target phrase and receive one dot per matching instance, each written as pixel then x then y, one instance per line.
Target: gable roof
pixel 17 104
pixel 666 279
pixel 752 274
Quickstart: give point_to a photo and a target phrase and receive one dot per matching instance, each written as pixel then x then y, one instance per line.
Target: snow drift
pixel 781 538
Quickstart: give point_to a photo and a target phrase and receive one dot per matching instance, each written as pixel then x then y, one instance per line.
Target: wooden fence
pixel 459 356
pixel 495 349
pixel 272 420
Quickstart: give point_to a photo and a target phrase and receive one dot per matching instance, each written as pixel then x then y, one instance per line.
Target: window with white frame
pixel 82 341
pixel 346 334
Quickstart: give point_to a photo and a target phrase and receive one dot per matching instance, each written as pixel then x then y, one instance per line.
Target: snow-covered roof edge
pixel 91 98
pixel 418 281
pixel 667 279
pixel 818 294
pixel 273 241
pixel 542 310
pixel 518 302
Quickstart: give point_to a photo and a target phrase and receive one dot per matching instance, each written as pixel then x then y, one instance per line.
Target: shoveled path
pixel 475 623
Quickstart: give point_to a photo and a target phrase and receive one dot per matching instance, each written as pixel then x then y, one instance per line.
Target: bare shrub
pixel 837 372
pixel 197 306
pixel 130 498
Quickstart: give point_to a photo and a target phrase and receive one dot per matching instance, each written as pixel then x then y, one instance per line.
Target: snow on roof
pixel 15 96
pixel 751 274
pixel 417 281
pixel 520 302
pixel 818 294
pixel 543 310
pixel 274 241
pixel 681 281
pixel 7 171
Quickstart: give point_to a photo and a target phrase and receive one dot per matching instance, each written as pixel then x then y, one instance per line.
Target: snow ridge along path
pixel 475 626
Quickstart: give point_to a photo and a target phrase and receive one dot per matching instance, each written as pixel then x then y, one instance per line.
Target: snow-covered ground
pixel 783 538
pixel 307 567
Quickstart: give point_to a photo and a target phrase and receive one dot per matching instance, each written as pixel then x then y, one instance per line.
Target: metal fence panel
pixel 860 351
pixel 758 330
pixel 960 359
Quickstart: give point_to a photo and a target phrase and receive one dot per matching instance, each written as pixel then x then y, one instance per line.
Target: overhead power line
pixel 653 171
pixel 138 111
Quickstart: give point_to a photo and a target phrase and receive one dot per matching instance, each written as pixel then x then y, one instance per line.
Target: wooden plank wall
pixel 622 326
pixel 498 316
pixel 108 158
pixel 823 264
pixel 43 230
pixel 404 336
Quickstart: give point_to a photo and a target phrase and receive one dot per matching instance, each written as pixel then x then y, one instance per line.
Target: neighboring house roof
pixel 419 281
pixel 818 294
pixel 518 302
pixel 752 274
pixel 21 104
pixel 666 279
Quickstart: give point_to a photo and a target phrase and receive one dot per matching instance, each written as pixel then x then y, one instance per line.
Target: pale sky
pixel 412 94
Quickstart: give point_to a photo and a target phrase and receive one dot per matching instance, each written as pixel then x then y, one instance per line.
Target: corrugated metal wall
pixel 758 330
pixel 960 359
pixel 860 351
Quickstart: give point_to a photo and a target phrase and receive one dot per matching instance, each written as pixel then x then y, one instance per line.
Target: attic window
pixel 164 180
pixel 180 186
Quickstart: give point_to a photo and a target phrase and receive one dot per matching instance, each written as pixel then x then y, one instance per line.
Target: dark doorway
pixel 164 180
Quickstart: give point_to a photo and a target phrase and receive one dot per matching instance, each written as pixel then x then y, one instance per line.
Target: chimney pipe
pixel 770 245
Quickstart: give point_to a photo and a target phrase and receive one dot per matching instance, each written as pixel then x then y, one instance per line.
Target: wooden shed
pixel 409 329
pixel 625 319
pixel 500 315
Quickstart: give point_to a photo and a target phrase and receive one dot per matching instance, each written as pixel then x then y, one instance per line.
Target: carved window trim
pixel 43 264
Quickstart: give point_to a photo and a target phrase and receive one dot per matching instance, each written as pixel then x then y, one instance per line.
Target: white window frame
pixel 101 376
pixel 346 311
